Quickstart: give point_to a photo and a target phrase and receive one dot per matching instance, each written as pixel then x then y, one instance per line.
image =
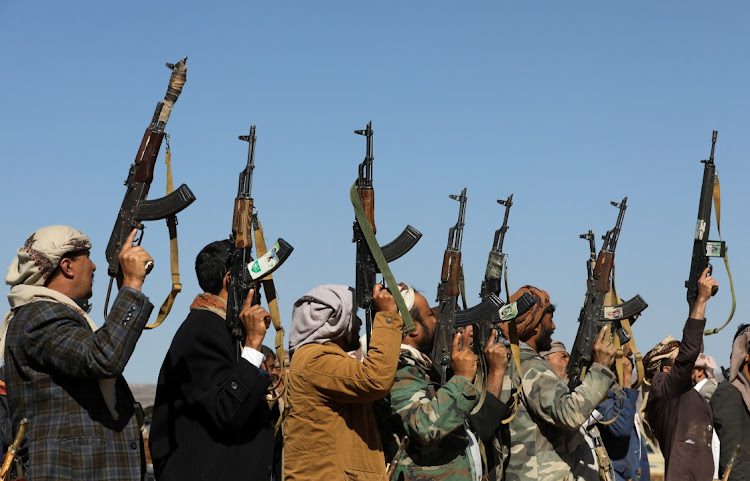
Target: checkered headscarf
pixel 40 255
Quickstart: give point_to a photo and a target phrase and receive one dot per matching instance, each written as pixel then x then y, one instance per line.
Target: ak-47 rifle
pixel 702 247
pixel 593 314
pixel 449 318
pixel 135 207
pixel 245 272
pixel 366 266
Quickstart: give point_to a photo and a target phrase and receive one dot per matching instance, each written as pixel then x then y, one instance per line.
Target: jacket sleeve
pixel 549 398
pixel 679 379
pixel 351 381
pixel 61 341
pixel 485 422
pixel 225 390
pixel 729 411
pixel 622 411
pixel 428 418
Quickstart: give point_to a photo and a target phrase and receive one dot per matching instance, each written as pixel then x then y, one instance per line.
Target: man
pixel 591 461
pixel 731 408
pixel 557 357
pixel 625 445
pixel 63 373
pixel 537 444
pixel 703 376
pixel 211 419
pixel 436 422
pixel 330 432
pixel 678 415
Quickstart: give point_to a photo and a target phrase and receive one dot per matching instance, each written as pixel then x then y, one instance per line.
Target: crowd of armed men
pixel 421 393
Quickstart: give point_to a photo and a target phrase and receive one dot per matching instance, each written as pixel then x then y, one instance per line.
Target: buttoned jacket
pixel 330 433
pixel 680 417
pixel 211 419
pixel 53 363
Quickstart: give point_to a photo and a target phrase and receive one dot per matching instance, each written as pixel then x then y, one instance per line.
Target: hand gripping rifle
pixel 593 313
pixel 702 247
pixel 368 250
pixel 136 208
pixel 449 318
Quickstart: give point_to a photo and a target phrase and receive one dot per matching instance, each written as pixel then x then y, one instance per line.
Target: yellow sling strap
pixel 273 309
pixel 717 208
pixel 515 350
pixel 173 250
pixel 638 357
pixel 639 369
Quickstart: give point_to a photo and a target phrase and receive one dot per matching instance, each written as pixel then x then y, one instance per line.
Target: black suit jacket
pixel 211 420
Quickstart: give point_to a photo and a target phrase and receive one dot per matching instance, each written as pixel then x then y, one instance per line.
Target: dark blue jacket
pixel 626 450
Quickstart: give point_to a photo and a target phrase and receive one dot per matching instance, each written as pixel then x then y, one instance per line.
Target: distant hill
pixel 144 393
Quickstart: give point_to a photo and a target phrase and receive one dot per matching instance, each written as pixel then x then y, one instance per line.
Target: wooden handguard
pixel 367 196
pixel 451 272
pixel 602 268
pixel 147 153
pixel 242 222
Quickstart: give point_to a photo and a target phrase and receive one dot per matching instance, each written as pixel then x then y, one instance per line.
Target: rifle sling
pixel 515 350
pixel 174 256
pixel 377 254
pixel 717 208
pixel 273 309
pixel 636 355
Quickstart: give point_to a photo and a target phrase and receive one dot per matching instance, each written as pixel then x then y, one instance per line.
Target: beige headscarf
pixel 37 259
pixel 40 255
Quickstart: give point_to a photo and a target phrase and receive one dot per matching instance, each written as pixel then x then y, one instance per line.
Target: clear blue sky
pixel 567 105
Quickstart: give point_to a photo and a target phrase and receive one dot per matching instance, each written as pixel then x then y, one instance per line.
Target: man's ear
pixel 225 281
pixel 66 267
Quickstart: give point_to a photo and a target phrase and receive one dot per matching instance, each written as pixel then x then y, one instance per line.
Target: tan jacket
pixel 331 432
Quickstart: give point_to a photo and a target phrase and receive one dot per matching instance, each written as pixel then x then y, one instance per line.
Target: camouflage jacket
pixel 540 441
pixel 433 419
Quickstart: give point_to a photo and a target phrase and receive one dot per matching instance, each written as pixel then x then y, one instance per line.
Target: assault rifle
pixel 135 207
pixel 702 247
pixel 366 266
pixel 245 272
pixel 593 314
pixel 449 318
pixel 491 287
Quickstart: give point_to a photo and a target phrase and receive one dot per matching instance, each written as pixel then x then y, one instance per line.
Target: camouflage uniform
pixel 434 420
pixel 540 441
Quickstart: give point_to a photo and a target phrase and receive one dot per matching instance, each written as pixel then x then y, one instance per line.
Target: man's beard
pixel 425 346
pixel 351 341
pixel 545 343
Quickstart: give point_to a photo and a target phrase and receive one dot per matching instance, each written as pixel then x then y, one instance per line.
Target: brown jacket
pixel 679 416
pixel 331 432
